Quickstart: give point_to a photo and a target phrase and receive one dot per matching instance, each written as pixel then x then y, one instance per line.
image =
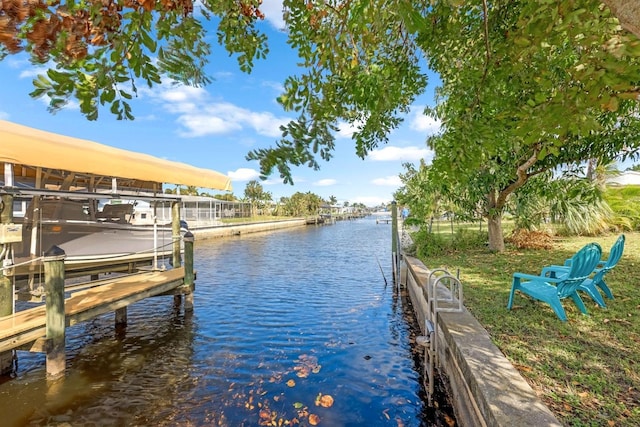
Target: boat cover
pixel 23 145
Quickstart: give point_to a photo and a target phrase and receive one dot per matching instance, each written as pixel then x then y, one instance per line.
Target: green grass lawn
pixel 587 370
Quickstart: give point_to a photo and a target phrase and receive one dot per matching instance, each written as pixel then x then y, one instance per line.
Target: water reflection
pixel 281 320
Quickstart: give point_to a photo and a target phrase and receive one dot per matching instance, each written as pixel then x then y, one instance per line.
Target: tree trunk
pixel 496 237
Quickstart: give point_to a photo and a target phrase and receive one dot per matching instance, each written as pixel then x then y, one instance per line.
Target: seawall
pixel 485 388
pixel 228 230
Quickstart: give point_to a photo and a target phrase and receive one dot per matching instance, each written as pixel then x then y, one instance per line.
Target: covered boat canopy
pixel 29 148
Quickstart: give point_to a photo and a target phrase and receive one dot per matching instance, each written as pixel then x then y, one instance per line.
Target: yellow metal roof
pixel 27 146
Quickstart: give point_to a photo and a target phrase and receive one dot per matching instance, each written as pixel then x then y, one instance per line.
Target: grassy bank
pixel 587 370
pixel 261 218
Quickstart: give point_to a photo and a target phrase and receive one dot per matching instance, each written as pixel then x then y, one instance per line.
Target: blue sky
pixel 216 126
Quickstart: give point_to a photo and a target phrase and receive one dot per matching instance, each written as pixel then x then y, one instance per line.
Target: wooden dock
pixel 383 220
pixel 26 329
pixel 34 271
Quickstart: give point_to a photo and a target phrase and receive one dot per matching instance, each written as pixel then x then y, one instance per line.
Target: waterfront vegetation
pixel 586 370
pixel 261 218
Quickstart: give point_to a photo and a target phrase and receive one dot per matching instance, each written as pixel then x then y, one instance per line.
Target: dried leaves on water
pixel 305 365
pixel 324 400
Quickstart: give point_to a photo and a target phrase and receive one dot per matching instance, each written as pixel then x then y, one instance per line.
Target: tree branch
pixel 522 176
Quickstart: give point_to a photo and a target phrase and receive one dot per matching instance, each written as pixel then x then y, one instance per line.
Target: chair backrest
pixel 615 254
pixel 582 265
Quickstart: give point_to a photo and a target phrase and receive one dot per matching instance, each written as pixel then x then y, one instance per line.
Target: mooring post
pixel 394 239
pixel 175 228
pixel 6 285
pixel 56 319
pixel 121 317
pixel 189 279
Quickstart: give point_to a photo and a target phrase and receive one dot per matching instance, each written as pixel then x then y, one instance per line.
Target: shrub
pixel 431 244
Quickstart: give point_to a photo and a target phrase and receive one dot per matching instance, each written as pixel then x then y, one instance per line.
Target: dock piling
pixel 6 284
pixel 121 317
pixel 188 270
pixel 56 318
pixel 175 231
pixel 395 254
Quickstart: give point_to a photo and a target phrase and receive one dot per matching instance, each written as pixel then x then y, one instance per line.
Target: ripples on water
pixel 314 306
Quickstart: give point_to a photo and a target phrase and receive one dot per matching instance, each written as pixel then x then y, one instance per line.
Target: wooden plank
pixel 22 338
pixel 92 311
pixel 28 325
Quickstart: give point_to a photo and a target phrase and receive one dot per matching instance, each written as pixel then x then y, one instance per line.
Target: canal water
pixel 293 327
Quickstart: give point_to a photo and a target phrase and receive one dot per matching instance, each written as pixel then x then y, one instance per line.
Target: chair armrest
pixel 539 278
pixel 555 270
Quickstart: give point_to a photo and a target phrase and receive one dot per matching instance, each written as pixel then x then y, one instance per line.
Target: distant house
pixel 625 178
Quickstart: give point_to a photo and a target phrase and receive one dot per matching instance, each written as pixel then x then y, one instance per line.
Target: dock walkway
pixel 29 326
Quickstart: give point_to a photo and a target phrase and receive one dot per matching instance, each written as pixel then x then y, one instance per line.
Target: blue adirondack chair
pixel 553 290
pixel 590 285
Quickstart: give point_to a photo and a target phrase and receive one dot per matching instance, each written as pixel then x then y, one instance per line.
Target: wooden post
pixel 6 284
pixel 56 318
pixel 394 239
pixel 188 270
pixel 121 317
pixel 175 231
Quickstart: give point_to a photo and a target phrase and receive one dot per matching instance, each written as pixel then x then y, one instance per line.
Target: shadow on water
pixel 441 412
pixel 295 327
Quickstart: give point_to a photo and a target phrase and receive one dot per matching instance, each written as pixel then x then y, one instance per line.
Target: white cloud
pixel 4 115
pixel 202 125
pixel 389 153
pixel 270 181
pixel 70 105
pixel 346 130
pixel 181 94
pixel 200 115
pixel 264 123
pixel 388 181
pixel 222 75
pixel 272 10
pixel 243 174
pixel 325 182
pixel 31 72
pixel 147 118
pixel 423 123
pixel 276 86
